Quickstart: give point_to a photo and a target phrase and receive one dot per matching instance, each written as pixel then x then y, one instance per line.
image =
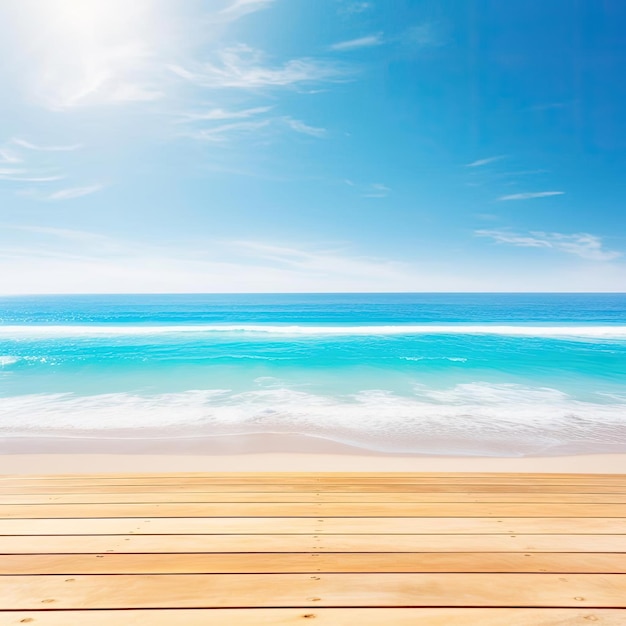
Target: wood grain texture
pixel 272 548
pixel 325 617
pixel 47 592
pixel 161 497
pixel 101 544
pixel 303 563
pixel 321 509
pixel 314 525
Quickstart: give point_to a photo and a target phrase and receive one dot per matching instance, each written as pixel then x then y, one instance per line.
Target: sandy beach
pixel 258 453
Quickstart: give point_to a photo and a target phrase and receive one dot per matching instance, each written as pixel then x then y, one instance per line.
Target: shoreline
pixel 272 453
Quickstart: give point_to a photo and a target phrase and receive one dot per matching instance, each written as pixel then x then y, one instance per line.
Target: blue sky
pixel 312 145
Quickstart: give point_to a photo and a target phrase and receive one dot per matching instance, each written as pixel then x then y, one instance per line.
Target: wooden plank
pixel 373 497
pixel 101 544
pixel 314 525
pixel 354 488
pixel 174 479
pixel 308 475
pixel 321 509
pixel 325 617
pixel 617 486
pixel 413 562
pixel 312 591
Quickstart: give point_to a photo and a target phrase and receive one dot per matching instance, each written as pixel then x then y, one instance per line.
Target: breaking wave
pixel 614 332
pixel 472 418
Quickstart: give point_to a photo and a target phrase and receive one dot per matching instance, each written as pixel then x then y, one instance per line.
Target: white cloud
pixel 111 265
pixel 584 245
pixel 223 114
pixel 31 146
pixel 245 68
pixel 305 129
pixel 425 35
pixel 354 7
pixel 8 156
pixel 376 190
pixel 40 259
pixel 32 179
pixel 73 192
pixel 224 132
pixel 487 161
pixel 239 8
pixel 233 129
pixel 361 42
pixel 530 195
pixel 313 264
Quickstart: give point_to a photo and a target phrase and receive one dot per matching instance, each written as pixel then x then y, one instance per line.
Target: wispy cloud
pixel 305 129
pixel 530 195
pixel 584 245
pixel 246 68
pixel 31 146
pixel 361 42
pixel 8 156
pixel 48 259
pixel 226 132
pixel 425 35
pixel 354 7
pixel 73 192
pixel 487 161
pixel 316 261
pixel 223 114
pixel 239 8
pixel 376 190
pixel 267 125
pixel 18 151
pixel 31 178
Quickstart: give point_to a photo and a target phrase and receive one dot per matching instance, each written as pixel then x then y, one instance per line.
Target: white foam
pixel 8 360
pixel 616 332
pixel 454 359
pixel 477 417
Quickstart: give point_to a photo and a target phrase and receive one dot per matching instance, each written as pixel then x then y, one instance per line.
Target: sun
pixel 87 51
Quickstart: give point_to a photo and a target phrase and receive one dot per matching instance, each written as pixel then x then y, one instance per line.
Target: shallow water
pixel 510 374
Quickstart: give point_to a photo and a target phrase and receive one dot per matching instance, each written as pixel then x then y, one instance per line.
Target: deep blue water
pixel 423 373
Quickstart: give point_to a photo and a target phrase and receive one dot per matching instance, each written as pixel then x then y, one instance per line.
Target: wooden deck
pixel 329 549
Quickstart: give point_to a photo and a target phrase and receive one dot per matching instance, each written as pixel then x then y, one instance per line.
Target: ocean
pixel 461 374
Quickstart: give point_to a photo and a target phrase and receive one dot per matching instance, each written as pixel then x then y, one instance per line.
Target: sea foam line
pixel 612 332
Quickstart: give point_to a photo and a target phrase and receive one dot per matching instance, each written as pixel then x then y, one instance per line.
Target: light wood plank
pixel 325 617
pixel 373 497
pixel 308 475
pixel 314 525
pixel 615 486
pixel 322 509
pixel 101 544
pixel 468 562
pixel 345 540
pixel 354 488
pixel 312 591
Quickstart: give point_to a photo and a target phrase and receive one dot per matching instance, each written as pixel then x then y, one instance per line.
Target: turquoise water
pixel 510 374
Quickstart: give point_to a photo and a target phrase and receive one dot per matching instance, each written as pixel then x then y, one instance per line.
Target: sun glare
pixel 86 51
